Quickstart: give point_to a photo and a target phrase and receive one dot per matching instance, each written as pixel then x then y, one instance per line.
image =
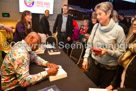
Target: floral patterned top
pixel 15 67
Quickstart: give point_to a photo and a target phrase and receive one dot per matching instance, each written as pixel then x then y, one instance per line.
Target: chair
pixel 77 51
pixel 43 37
pixel 52 40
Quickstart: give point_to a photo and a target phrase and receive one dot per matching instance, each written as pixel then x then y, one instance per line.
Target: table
pixel 76 80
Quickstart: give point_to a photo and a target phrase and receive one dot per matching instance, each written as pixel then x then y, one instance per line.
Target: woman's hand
pixel 83 39
pixel 68 38
pixel 104 51
pixel 99 51
pixel 109 88
pixel 85 65
pixel 87 36
pixel 52 71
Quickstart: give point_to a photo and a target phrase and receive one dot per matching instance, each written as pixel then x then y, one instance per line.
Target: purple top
pixel 20 32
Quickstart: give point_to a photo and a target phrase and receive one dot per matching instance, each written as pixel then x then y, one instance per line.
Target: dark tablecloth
pixel 76 80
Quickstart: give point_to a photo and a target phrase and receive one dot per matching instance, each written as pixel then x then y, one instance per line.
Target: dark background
pixel 88 4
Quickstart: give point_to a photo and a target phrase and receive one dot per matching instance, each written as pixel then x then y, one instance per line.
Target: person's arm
pixel 21 66
pixel 70 26
pixel 45 26
pixel 120 42
pixel 21 30
pixel 88 49
pixel 9 28
pixel 117 78
pixel 38 60
pixel 1 26
pixel 55 24
pixel 89 43
pixel 115 83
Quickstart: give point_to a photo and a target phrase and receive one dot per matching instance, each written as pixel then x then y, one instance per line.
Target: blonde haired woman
pixel 125 80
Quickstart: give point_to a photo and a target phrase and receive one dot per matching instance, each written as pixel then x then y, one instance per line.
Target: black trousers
pixel 100 76
pixel 62 38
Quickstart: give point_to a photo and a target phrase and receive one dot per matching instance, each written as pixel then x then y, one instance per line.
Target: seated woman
pixel 24 26
pixel 84 32
pixel 125 78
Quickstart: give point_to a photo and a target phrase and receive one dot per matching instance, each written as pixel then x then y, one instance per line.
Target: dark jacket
pixel 44 26
pixel 124 21
pixel 58 25
pixel 130 78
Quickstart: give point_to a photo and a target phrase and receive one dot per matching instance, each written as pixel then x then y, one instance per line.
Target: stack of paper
pixel 39 51
pixel 53 52
pixel 60 74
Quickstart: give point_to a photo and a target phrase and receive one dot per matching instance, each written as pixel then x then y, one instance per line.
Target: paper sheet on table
pixel 97 89
pixel 60 74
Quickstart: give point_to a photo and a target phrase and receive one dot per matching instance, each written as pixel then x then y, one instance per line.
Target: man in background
pixel 123 23
pixel 122 19
pixel 64 26
pixel 44 26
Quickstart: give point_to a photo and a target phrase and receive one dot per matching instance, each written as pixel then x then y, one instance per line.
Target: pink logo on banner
pixel 29 3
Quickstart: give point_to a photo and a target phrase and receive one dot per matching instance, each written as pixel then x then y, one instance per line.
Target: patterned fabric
pixel 15 67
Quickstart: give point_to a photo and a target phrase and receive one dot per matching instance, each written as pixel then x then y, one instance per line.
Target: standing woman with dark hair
pixel 101 47
pixel 24 26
